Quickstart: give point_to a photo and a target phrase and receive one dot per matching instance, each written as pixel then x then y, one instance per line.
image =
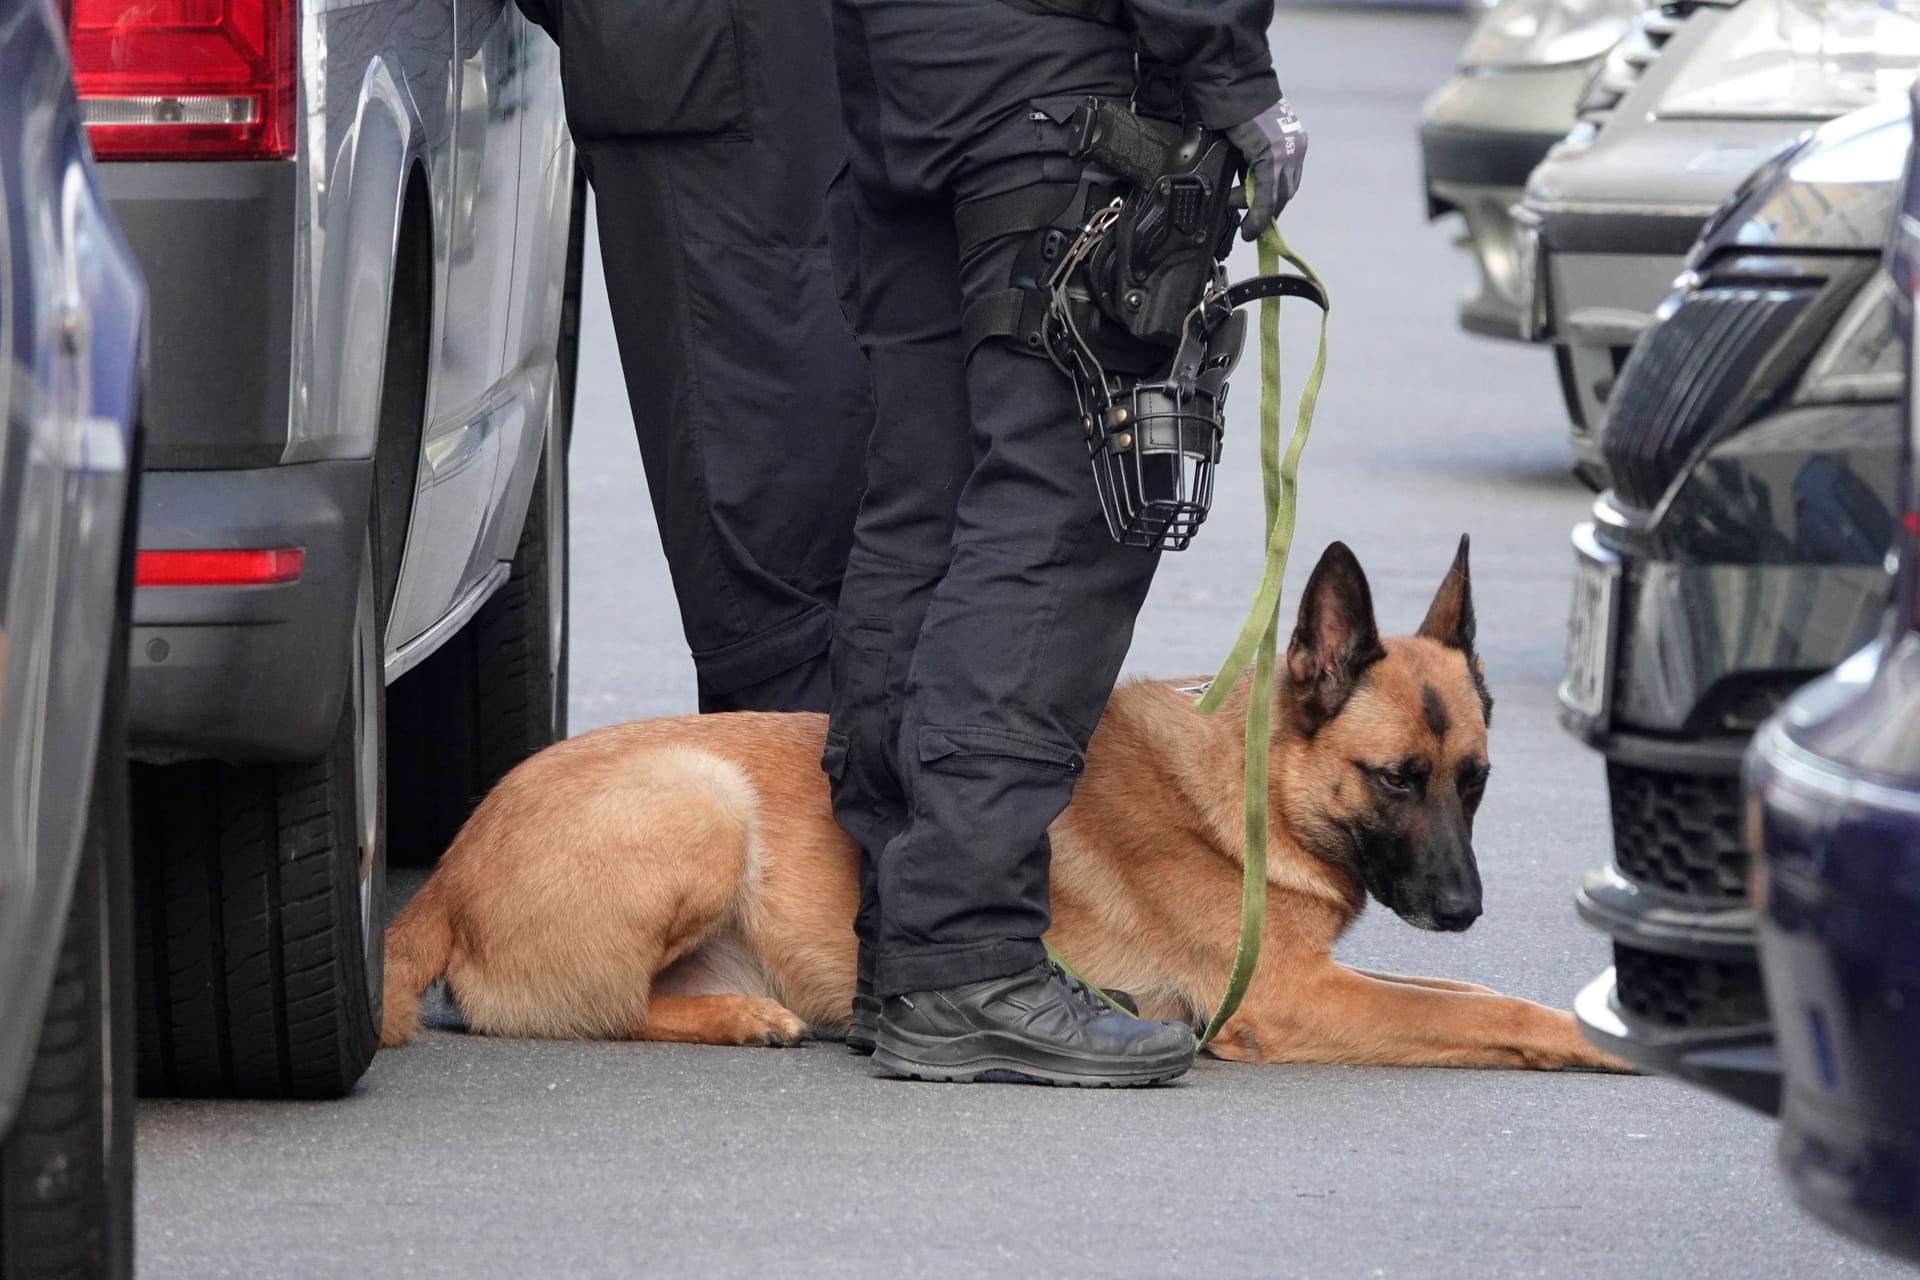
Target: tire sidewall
pixel 360 839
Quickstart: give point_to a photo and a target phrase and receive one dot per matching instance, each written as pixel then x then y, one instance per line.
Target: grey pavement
pixel 462 1156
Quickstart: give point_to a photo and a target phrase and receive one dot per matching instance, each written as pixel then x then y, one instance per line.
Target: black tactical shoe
pixel 1036 1025
pixel 866 1021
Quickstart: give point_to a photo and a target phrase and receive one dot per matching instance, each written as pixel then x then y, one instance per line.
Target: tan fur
pixel 683 879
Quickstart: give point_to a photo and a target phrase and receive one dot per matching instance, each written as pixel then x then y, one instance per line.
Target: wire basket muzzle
pixel 1154 450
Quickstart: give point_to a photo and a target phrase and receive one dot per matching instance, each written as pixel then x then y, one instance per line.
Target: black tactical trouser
pixel 709 132
pixel 985 611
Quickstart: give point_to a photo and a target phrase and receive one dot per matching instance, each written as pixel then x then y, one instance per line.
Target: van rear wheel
pixel 261 932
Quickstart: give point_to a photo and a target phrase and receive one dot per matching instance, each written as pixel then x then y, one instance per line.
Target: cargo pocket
pixel 833 759
pixel 974 751
pixel 655 68
pixel 859 664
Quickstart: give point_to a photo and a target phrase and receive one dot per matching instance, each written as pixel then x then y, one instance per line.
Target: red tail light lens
pixel 1910 563
pixel 194 79
pixel 218 568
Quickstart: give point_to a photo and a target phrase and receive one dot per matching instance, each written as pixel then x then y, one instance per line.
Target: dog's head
pixel 1387 753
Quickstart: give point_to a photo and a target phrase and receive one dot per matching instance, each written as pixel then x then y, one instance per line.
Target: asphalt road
pixel 467 1157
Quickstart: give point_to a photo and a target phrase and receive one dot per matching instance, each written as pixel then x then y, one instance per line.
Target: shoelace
pixel 1080 989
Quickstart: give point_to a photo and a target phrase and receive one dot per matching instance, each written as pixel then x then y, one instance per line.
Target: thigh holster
pixel 1120 284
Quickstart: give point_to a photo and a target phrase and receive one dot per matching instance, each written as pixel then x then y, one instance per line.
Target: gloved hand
pixel 1274 144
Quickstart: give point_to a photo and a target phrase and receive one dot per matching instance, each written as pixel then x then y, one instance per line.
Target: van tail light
pixel 185 79
pixel 250 568
pixel 1909 587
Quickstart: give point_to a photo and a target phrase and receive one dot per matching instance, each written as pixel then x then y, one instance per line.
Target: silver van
pixel 359 227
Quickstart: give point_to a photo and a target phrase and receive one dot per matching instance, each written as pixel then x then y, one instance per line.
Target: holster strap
pixel 1020 314
pixel 1018 212
pixel 1283 284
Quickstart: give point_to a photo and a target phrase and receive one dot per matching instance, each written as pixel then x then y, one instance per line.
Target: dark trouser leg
pixel 1027 619
pixel 1016 658
pixel 917 460
pixel 749 397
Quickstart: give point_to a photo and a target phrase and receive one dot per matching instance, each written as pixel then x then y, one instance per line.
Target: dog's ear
pixel 1450 621
pixel 1450 616
pixel 1335 640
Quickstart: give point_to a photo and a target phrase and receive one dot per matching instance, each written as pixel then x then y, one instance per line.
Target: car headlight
pixel 1863 357
pixel 1537 33
pixel 1798 60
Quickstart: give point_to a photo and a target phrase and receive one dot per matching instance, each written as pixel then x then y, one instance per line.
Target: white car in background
pixel 1696 97
pixel 1522 73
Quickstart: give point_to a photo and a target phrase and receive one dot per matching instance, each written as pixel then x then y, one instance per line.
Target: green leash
pixel 1259 635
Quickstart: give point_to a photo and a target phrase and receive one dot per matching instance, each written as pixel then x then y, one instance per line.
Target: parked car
pixel 1688 105
pixel 354 223
pixel 71 315
pixel 1754 442
pixel 1833 782
pixel 1522 72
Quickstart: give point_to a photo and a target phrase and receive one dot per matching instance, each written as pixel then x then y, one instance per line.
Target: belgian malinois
pixel 683 879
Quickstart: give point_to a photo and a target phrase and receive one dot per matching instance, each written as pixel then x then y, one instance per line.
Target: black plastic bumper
pixel 217 243
pixel 247 673
pixel 1737 1063
pixel 1622 231
pixel 1481 157
pixel 1698 946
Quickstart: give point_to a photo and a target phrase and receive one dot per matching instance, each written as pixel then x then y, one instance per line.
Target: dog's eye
pixel 1394 777
pixel 1473 780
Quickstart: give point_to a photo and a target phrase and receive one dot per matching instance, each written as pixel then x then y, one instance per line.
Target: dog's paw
pixel 767 1022
pixel 1568 1050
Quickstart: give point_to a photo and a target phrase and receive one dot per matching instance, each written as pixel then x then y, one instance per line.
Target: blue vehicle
pixel 72 307
pixel 1833 820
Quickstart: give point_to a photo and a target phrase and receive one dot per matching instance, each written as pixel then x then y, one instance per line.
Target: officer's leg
pixel 749 398
pixel 1016 658
pixel 902 290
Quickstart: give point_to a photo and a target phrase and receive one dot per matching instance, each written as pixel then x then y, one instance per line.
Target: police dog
pixel 683 879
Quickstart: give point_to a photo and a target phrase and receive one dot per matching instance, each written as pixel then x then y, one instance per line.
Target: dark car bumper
pixel 247 673
pixel 1473 156
pixel 1684 998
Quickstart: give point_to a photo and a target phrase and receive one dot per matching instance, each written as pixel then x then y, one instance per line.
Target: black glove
pixel 1274 144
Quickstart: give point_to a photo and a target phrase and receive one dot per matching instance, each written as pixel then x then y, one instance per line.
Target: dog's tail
pixel 418 943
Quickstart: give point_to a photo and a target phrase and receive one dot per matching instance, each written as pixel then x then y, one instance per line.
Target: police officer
pixel 710 133
pixel 985 610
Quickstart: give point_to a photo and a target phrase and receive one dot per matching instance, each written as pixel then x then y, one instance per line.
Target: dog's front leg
pixel 1437 984
pixel 1332 1014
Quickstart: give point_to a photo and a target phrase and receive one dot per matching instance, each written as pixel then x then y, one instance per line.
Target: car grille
pixel 1623 68
pixel 1677 991
pixel 1684 376
pixel 1678 833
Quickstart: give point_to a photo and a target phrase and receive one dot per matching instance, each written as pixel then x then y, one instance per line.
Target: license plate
pixel 1591 625
pixel 1530 296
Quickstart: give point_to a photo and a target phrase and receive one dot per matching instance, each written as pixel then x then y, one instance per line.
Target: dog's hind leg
pixel 574 928
pixel 721 1020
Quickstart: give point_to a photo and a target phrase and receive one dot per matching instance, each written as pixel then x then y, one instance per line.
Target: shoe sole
pixel 1007 1071
pixel 923 1062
